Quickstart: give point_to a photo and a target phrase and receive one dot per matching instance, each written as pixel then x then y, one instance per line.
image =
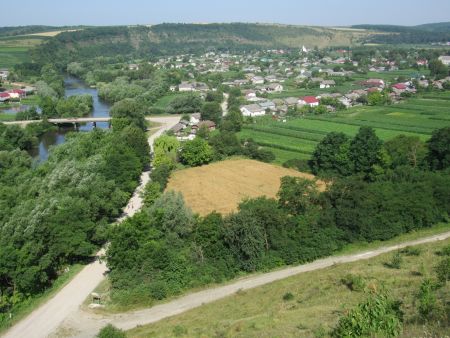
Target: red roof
pixel 18 91
pixel 4 95
pixel 310 99
pixel 399 86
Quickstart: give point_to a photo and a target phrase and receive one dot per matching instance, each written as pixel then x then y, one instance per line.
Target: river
pixel 73 86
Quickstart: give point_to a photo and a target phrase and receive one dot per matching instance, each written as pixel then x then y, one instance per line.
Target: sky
pixel 299 12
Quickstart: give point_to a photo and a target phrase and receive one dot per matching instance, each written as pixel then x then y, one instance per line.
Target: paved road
pixel 47 318
pixel 85 324
pixel 224 104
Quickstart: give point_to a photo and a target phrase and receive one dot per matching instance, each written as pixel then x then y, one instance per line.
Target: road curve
pixel 45 319
pixel 84 324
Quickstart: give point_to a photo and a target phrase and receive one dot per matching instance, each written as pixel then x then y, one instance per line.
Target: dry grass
pixel 52 33
pixel 223 185
pixel 320 298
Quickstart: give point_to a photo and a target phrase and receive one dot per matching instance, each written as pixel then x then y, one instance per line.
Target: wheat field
pixel 222 185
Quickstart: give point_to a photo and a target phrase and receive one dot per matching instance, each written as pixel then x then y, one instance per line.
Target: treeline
pixel 166 249
pixel 57 213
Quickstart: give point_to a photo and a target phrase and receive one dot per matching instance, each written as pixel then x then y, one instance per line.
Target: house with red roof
pixel 4 97
pixel 311 101
pixel 399 88
pixel 20 92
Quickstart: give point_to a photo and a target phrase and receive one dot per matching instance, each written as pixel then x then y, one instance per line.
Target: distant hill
pixel 183 38
pixel 170 38
pixel 427 33
pixel 24 30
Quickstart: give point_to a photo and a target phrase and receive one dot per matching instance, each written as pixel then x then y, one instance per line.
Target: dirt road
pixel 47 318
pixel 83 324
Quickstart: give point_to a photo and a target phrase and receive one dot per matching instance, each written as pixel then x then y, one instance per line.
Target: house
pixel 4 97
pixel 173 88
pixel 178 128
pixel 250 95
pixel 20 92
pixel 422 62
pixel 445 59
pixel 4 74
pixel 274 88
pixel 201 87
pixel 252 110
pixel 186 87
pixel 327 84
pixel 316 79
pixel 291 101
pixel 194 118
pixel 133 66
pixel 271 78
pixel 373 83
pixel 267 105
pixel 257 80
pixel 399 88
pixel 210 125
pixel 240 82
pixel 309 100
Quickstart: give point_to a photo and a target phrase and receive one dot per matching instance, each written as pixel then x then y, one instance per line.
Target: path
pixel 45 319
pixel 224 104
pixel 84 324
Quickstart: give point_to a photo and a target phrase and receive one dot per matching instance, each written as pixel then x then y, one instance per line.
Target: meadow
pixel 14 50
pixel 316 300
pixel 298 137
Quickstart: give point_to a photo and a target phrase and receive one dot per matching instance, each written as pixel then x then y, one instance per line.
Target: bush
pixel 426 297
pixel 158 290
pixel 443 270
pixel 354 282
pixel 411 251
pixel 395 262
pixel 109 331
pixel 297 164
pixel 288 296
pixel 378 316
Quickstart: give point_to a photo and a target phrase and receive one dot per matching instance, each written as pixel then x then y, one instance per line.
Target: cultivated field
pixel 298 137
pixel 221 186
pixel 318 299
pixel 14 49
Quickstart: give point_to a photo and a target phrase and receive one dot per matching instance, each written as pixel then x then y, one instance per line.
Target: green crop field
pixel 14 50
pixel 298 137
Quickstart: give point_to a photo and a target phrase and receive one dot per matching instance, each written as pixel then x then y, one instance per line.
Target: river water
pixel 73 86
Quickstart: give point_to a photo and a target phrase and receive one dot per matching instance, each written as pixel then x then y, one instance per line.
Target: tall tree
pixel 365 152
pixel 439 149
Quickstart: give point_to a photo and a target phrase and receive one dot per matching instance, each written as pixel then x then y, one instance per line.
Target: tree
pixel 405 150
pixel 233 121
pixel 437 69
pixel 225 143
pixel 296 194
pixel 438 156
pixel 128 112
pixel 211 111
pixel 165 151
pixel 196 152
pixel 365 152
pixel 331 155
pixel 245 238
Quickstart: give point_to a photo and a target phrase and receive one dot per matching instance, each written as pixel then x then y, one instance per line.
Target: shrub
pixel 179 331
pixel 109 331
pixel 426 297
pixel 158 290
pixel 410 251
pixel 377 316
pixel 396 261
pixel 354 282
pixel 288 296
pixel 443 270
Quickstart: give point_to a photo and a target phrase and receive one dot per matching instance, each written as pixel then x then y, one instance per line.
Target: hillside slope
pixel 182 38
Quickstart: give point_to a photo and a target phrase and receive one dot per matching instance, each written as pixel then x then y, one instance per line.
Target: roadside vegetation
pixel 405 302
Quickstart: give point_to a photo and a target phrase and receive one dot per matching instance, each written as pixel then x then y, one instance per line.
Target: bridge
pixel 62 120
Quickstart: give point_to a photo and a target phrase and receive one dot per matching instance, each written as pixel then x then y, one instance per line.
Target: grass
pixel 14 50
pixel 26 307
pixel 306 305
pixel 164 101
pixel 221 186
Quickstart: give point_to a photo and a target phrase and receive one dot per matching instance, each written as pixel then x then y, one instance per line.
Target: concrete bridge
pixel 62 120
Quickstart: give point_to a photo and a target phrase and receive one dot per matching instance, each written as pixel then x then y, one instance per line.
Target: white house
pixel 186 87
pixel 194 118
pixel 445 59
pixel 327 84
pixel 308 100
pixel 274 88
pixel 257 80
pixel 252 110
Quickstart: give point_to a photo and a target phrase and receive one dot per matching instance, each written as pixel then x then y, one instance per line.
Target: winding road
pixel 46 319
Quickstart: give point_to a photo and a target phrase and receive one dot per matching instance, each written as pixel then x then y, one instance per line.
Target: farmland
pixel 14 50
pixel 222 185
pixel 298 137
pixel 318 299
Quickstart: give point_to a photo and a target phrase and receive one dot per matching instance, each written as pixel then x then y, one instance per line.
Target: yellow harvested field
pixel 52 33
pixel 221 186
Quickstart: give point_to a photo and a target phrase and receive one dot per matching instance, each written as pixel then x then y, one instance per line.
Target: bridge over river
pixel 63 120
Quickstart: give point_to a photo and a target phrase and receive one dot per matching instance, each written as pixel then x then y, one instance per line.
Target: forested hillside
pixel 162 39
